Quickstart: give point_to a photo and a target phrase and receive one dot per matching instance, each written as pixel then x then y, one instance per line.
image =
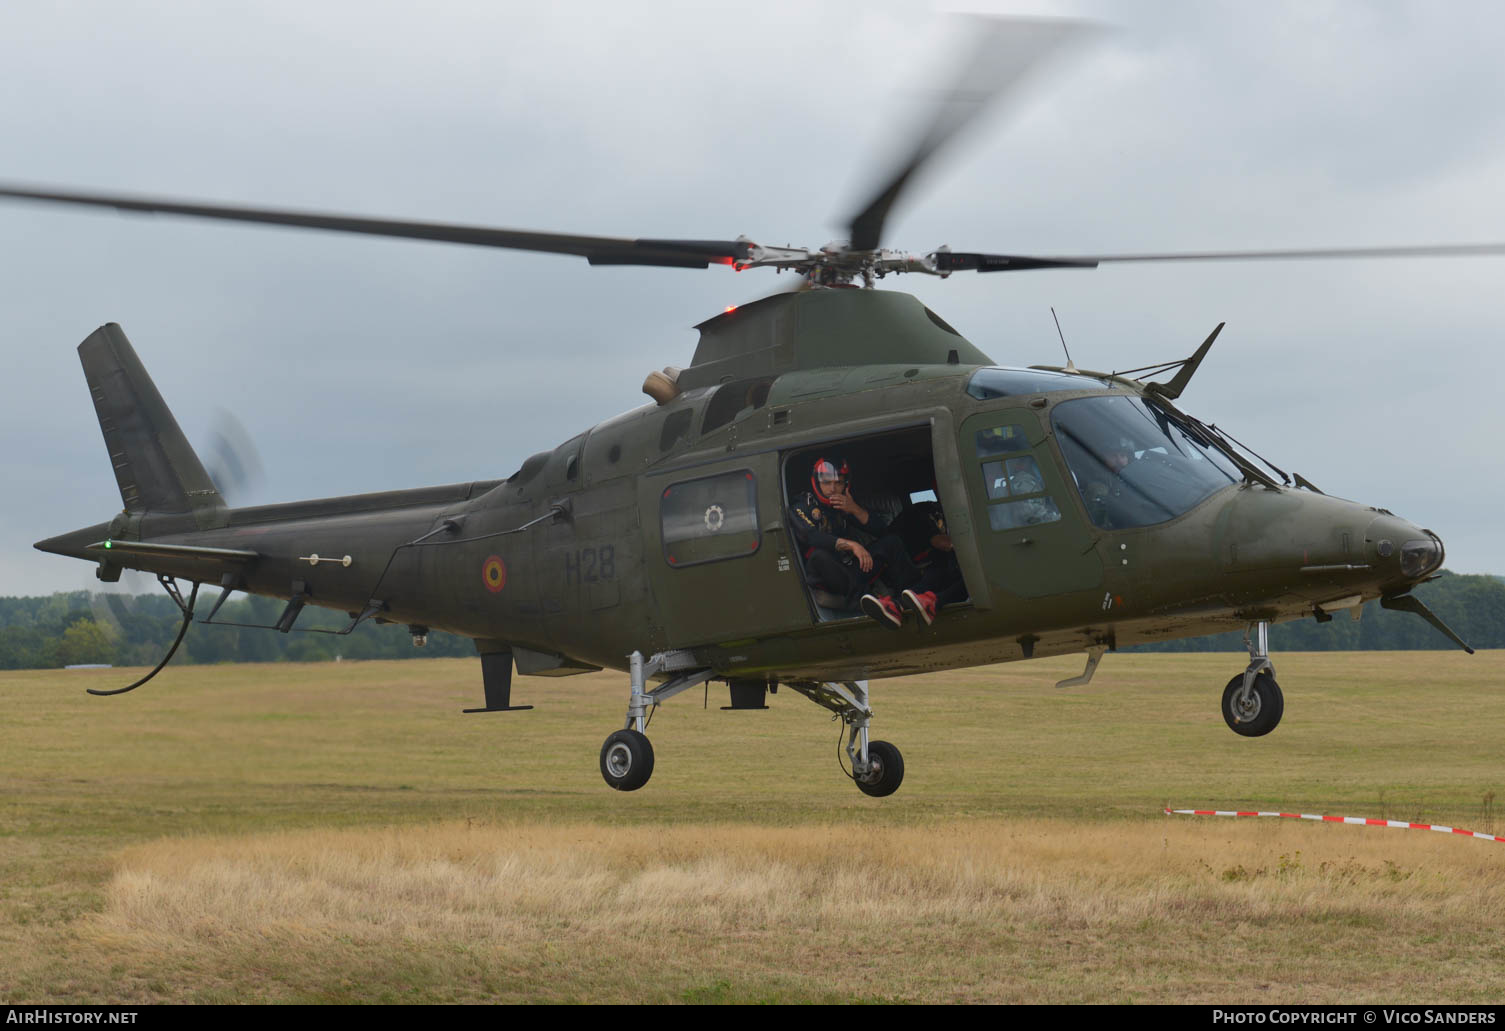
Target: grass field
pixel 341 833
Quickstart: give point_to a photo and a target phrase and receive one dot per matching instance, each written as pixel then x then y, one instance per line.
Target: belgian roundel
pixel 494 574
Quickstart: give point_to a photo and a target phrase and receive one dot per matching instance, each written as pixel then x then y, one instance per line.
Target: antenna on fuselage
pixel 1070 366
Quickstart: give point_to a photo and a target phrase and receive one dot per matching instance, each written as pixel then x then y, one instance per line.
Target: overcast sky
pixel 360 364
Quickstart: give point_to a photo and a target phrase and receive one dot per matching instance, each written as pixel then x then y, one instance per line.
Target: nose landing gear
pixel 1252 701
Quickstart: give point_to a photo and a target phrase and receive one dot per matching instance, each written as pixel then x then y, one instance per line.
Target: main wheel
pixel 627 760
pixel 885 770
pixel 1260 712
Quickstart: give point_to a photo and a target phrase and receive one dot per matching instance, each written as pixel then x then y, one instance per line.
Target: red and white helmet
pixel 825 472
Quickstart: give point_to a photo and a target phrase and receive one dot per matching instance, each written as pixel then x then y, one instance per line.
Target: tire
pixel 626 760
pixel 887 771
pixel 1266 706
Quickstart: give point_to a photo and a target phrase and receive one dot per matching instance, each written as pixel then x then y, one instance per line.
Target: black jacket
pixel 818 525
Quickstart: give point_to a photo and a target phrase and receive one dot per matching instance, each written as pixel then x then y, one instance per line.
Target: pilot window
pixel 1134 464
pixel 710 519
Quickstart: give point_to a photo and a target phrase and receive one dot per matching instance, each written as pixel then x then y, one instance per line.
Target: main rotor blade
pixel 960 261
pixel 598 250
pixel 1004 52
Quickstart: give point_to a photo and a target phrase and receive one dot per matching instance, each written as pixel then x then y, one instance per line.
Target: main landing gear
pixel 627 755
pixel 1252 702
pixel 877 766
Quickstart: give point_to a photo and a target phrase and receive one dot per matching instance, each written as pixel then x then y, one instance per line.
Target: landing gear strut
pixel 1252 701
pixel 627 760
pixel 877 766
pixel 627 755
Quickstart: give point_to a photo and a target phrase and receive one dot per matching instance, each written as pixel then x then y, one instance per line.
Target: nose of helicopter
pixel 1402 550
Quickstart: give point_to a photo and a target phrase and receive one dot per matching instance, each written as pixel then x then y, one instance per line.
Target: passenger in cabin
pixel 847 548
pixel 922 527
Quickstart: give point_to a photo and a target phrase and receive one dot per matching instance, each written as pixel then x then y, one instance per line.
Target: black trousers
pixel 890 561
pixel 943 577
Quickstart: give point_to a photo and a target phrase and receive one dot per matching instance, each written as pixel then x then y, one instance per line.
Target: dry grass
pixel 305 833
pixel 1037 911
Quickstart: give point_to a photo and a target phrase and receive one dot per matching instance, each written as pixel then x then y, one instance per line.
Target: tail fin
pixel 154 464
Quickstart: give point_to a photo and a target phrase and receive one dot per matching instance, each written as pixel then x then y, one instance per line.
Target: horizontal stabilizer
pixel 201 565
pixel 146 549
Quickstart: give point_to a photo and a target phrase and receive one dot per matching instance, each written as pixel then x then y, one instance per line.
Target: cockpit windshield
pixel 1133 463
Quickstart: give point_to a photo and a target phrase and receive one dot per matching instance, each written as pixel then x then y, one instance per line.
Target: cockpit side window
pixel 1013 478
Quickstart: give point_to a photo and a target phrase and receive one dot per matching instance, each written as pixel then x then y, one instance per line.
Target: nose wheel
pixel 1252 702
pixel 1253 713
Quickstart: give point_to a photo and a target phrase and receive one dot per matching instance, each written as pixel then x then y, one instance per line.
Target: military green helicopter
pixel 1085 511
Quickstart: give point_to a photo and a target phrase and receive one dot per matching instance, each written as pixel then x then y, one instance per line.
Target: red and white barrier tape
pixel 1359 821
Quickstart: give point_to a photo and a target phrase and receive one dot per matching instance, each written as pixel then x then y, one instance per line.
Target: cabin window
pixel 710 519
pixel 1133 463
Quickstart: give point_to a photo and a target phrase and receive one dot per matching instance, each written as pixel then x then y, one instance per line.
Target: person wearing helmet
pixel 1104 491
pixel 846 547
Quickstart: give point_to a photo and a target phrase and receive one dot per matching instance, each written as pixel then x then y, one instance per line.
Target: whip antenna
pixel 1070 366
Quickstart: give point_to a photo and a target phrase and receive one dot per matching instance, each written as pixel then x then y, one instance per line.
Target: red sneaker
pixel 883 610
pixel 923 604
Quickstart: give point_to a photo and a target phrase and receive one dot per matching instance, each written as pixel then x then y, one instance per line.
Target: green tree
pixel 85 642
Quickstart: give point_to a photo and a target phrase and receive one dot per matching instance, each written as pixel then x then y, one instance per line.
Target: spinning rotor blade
pixel 1004 53
pixel 598 250
pixel 961 261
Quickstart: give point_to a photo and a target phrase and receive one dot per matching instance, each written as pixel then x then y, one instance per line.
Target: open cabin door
pixel 717 552
pixel 1031 534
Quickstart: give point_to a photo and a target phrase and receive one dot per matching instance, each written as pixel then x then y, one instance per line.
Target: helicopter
pixel 659 542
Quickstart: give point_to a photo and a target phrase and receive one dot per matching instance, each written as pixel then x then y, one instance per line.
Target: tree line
pixel 136 630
